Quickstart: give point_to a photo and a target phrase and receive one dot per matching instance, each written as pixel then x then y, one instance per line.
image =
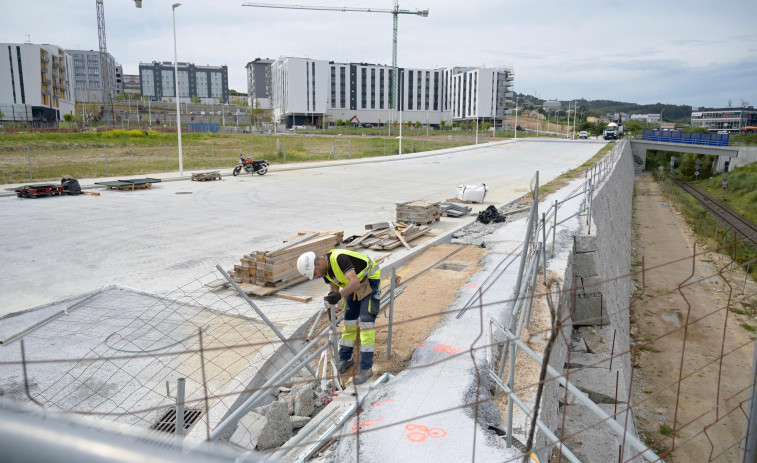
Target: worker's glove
pixel 333 297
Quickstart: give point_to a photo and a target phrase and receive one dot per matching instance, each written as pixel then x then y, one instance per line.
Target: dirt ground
pixel 699 417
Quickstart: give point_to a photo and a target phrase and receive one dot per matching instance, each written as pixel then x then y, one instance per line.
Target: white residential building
pixel 305 90
pixel 35 83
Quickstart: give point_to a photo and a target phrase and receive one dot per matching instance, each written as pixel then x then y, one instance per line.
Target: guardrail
pixel 690 138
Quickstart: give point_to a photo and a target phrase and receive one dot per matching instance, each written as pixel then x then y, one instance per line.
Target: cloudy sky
pixel 696 52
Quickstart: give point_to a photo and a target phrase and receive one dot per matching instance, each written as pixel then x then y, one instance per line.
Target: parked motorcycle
pixel 250 165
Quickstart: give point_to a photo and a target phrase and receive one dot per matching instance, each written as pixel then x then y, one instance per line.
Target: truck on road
pixel 613 131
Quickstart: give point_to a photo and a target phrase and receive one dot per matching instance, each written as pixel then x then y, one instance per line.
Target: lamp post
pixel 663 109
pixel 176 82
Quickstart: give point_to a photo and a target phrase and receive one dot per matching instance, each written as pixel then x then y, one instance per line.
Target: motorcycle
pixel 250 165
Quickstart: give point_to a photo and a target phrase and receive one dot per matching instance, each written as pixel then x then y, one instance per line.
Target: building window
pixel 333 86
pixel 363 90
pixel 342 94
pixel 436 91
pixel 381 89
pixel 418 100
pixel 410 95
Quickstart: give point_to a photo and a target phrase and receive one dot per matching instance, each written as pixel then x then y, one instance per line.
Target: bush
pixel 743 180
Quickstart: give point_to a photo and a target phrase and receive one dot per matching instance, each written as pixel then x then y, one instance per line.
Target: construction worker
pixel 354 277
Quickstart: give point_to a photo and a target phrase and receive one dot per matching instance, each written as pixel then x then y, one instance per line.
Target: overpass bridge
pixel 735 155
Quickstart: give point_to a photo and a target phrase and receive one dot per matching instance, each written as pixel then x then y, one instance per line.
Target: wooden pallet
pixel 206 176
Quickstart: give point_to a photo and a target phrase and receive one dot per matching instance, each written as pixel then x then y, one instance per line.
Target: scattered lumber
pixel 455 210
pixel 420 212
pixel 385 238
pixel 130 184
pixel 267 271
pixel 206 176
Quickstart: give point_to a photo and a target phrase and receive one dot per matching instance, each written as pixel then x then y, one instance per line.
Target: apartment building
pixel 259 83
pixel 88 68
pixel 305 90
pixel 35 83
pixel 208 83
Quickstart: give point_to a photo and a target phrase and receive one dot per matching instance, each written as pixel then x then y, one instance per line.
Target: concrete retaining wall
pixel 598 308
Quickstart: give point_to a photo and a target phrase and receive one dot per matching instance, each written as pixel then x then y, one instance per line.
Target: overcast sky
pixel 696 52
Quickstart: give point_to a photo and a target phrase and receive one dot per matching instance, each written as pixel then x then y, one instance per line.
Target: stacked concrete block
pixel 588 308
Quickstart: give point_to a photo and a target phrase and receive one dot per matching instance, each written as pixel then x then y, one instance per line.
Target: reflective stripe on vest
pixel 371 269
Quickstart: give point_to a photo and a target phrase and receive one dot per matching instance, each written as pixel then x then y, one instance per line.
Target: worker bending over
pixel 356 278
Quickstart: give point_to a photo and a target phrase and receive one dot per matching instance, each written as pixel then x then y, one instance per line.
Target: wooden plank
pixel 292 297
pixel 399 235
pixel 357 241
pixel 291 243
pixel 376 226
pixel 302 247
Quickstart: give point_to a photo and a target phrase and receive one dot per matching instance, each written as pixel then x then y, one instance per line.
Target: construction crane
pixel 395 12
pixel 107 98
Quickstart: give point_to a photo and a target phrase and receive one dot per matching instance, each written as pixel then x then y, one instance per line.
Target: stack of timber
pixel 455 210
pixel 419 212
pixel 381 238
pixel 264 272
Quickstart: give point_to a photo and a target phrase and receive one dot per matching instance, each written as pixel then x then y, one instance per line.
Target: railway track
pixel 722 213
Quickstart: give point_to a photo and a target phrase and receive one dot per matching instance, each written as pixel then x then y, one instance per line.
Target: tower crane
pixel 395 12
pixel 107 98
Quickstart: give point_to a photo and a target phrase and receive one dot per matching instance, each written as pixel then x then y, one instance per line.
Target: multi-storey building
pixel 87 76
pixel 259 83
pixel 303 90
pixel 35 83
pixel 208 83
pixel 730 119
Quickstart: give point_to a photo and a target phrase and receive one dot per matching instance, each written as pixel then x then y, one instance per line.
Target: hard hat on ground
pixel 306 264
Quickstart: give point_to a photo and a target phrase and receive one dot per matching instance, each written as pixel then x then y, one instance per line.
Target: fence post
pixel 165 154
pixel 105 149
pixel 750 428
pixel 334 150
pixel 284 150
pixel 180 408
pixel 391 314
pixel 213 153
pixel 349 146
pixel 29 156
pixel 251 153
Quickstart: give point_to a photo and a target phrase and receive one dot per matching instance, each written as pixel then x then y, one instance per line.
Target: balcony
pixel 43 69
pixel 44 60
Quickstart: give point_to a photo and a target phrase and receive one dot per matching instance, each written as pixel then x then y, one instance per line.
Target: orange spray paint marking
pixel 419 433
pixel 473 286
pixel 366 424
pixel 446 349
pixel 422 345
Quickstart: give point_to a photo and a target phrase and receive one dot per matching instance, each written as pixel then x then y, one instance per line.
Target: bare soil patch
pixel 691 379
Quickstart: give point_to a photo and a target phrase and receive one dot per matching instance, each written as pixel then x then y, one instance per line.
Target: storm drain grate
pixel 453 267
pixel 168 422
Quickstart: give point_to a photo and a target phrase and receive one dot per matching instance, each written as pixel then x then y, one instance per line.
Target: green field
pixel 42 156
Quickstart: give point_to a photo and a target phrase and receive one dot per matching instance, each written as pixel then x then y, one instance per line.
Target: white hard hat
pixel 306 264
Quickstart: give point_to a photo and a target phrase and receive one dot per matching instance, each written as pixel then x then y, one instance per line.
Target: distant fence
pixel 690 138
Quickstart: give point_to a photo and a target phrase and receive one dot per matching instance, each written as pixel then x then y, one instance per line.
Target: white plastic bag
pixel 475 193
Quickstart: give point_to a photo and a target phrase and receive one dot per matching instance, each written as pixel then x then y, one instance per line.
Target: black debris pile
pixel 71 186
pixel 491 214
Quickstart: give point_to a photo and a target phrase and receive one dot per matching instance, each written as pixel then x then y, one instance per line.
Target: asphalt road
pixel 159 239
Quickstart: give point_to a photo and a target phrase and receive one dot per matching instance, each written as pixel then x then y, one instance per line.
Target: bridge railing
pixel 691 138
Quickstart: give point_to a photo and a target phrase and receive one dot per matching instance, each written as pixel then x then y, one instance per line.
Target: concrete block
pixel 299 421
pixel 583 360
pixel 600 385
pixel 589 285
pixel 585 264
pixel 588 311
pixel 248 430
pixel 596 339
pixel 278 428
pixel 303 400
pixel 585 243
pixel 594 441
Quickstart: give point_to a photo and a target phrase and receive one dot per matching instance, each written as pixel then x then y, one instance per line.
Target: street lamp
pixel 663 109
pixel 176 82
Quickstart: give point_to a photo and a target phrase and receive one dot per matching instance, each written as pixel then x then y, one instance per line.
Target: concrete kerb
pixel 172 176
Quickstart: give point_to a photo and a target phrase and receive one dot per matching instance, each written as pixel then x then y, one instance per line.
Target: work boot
pixel 345 365
pixel 363 376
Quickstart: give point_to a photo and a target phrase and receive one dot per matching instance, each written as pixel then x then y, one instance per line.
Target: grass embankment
pixel 740 195
pixel 52 155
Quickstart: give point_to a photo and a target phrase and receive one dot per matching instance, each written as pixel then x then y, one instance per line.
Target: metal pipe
pixel 180 408
pixel 544 245
pixel 749 453
pixel 282 375
pixel 554 230
pixel 554 440
pixel 634 441
pixel 261 314
pixel 392 284
pixel 334 338
pixel 28 330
